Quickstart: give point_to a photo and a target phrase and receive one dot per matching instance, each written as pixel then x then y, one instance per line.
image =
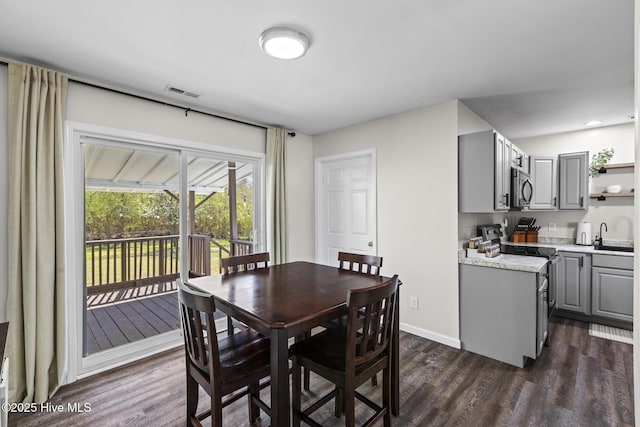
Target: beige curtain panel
pixel 35 305
pixel 276 201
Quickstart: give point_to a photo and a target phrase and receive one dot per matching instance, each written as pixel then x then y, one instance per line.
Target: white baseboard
pixel 430 335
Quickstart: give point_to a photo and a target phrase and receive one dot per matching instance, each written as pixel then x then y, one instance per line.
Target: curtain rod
pixel 187 110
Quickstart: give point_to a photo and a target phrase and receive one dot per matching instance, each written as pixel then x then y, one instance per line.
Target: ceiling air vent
pixel 178 91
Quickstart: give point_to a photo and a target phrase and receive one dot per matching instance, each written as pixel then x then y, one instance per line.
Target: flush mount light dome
pixel 284 43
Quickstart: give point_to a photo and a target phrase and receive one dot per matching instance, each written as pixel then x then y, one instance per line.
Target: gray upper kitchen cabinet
pixel 574 181
pixel 574 282
pixel 502 172
pixel 612 287
pixel 544 175
pixel 483 172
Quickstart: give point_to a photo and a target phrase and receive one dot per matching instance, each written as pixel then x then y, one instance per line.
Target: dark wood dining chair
pixel 236 264
pixel 367 264
pixel 222 366
pixel 349 359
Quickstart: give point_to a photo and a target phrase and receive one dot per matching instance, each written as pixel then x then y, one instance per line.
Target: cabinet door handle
pixel 555 201
pixel 581 262
pixel 581 201
pixel 506 199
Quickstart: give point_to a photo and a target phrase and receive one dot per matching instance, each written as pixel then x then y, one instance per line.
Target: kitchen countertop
pixel 564 247
pixel 506 262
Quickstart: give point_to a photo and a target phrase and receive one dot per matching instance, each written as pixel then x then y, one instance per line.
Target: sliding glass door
pixel 144 213
pixel 131 227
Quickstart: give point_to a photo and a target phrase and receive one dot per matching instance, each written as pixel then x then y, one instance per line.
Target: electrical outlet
pixel 413 303
pixel 552 226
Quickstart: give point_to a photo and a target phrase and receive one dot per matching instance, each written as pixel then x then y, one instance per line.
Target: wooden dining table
pixel 287 300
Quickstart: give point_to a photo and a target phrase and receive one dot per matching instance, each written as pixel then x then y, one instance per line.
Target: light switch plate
pixel 413 303
pixel 552 226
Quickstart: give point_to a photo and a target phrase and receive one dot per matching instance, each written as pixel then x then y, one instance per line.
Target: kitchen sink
pixel 614 248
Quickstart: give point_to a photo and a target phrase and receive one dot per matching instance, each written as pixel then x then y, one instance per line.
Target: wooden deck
pixel 128 294
pixel 127 315
pixel 115 324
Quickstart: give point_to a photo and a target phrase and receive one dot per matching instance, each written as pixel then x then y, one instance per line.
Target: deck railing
pixel 125 263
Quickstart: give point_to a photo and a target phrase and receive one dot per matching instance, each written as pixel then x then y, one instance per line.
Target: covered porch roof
pixel 121 169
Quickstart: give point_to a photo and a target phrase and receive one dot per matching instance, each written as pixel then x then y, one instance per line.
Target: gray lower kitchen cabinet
pixel 574 181
pixel 503 313
pixel 612 287
pixel 574 277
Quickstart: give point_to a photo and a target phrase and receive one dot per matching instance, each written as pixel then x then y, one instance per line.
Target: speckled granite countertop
pixel 566 247
pixel 506 262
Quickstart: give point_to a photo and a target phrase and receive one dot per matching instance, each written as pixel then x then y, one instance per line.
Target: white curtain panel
pixel 276 194
pixel 35 304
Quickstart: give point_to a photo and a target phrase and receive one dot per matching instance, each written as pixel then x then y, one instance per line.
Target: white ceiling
pixel 527 67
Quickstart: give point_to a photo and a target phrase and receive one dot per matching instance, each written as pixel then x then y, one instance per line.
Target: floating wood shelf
pixel 616 166
pixel 603 196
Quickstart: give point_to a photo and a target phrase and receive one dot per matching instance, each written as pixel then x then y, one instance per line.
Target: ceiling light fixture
pixel 593 123
pixel 284 43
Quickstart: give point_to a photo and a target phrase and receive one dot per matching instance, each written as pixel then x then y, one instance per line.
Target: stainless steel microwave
pixel 521 189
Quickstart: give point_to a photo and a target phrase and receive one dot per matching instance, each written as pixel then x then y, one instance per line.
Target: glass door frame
pixel 77 134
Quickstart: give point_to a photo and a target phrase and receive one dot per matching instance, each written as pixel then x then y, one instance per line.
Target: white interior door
pixel 345 205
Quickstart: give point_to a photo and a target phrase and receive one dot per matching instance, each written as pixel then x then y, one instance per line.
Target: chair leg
pixel 374 380
pixel 307 373
pixel 254 410
pixel 296 389
pixel 216 412
pixel 192 399
pixel 307 379
pixel 386 395
pixel 339 402
pixel 229 326
pixel 349 402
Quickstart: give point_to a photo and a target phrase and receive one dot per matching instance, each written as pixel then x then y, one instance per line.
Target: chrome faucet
pixel 601 242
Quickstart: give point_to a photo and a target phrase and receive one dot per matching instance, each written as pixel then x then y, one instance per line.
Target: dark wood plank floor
pixel 579 381
pixel 112 325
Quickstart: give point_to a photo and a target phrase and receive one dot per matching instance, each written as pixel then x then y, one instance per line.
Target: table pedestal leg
pixel 279 378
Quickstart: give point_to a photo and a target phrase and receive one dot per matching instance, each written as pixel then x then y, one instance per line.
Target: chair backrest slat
pixel 366 264
pixel 235 264
pixel 370 320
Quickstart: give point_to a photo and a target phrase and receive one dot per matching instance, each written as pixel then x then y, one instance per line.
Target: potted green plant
pixel 598 161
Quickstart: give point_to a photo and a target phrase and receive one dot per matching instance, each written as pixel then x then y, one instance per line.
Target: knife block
pixel 531 237
pixel 519 237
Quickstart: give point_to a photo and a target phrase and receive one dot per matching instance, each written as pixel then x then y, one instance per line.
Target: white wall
pixel 300 198
pixel 616 212
pixel 470 122
pixel 95 106
pixel 4 191
pixel 417 156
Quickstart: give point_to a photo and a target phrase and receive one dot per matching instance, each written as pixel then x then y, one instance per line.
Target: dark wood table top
pixel 296 295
